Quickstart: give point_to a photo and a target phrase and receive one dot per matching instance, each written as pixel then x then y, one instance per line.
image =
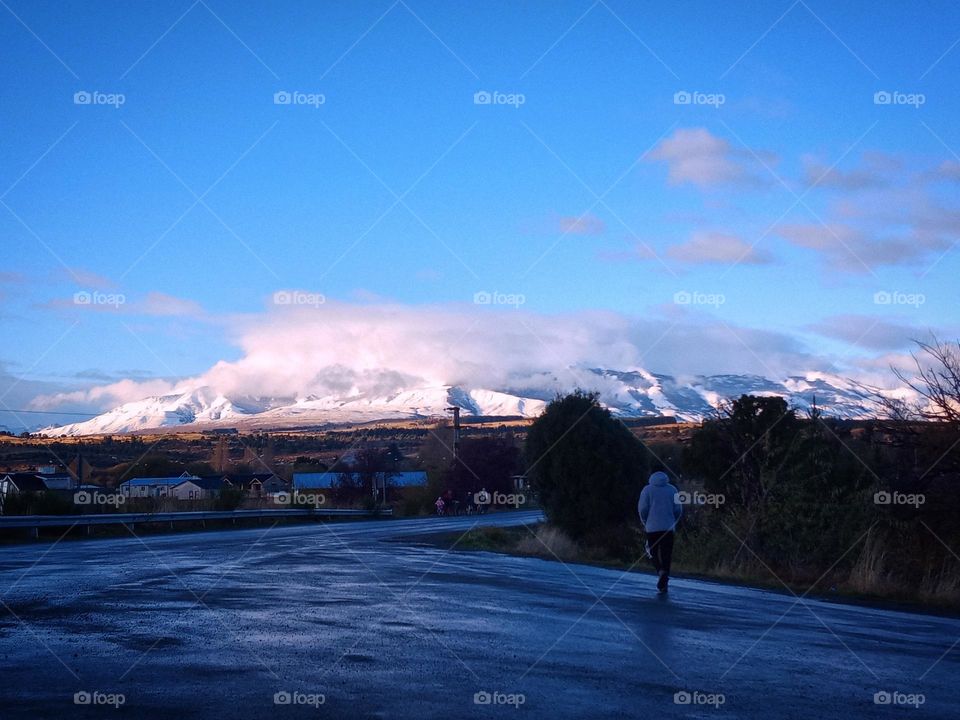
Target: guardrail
pixel 35 522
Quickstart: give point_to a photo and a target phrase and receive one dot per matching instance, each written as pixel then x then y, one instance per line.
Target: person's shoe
pixel 662 583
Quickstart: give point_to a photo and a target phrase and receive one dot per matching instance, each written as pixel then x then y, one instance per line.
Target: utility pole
pixel 456 431
pixel 78 475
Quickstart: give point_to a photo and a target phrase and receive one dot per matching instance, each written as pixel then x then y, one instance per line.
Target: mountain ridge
pixel 627 393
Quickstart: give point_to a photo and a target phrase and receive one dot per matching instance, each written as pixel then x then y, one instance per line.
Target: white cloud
pixel 88 279
pixel 715 247
pixel 153 304
pixel 853 249
pixel 351 349
pixel 947 170
pixel 163 305
pixel 696 156
pixel 868 332
pixel 876 169
pixel 588 224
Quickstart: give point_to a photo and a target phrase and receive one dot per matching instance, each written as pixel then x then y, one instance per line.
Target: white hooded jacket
pixel 659 505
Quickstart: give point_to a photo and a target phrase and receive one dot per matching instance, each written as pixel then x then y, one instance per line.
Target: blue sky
pixel 796 200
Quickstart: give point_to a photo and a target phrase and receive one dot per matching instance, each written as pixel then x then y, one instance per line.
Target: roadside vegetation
pixel 771 497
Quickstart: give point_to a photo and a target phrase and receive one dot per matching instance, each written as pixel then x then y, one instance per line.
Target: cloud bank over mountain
pixel 340 349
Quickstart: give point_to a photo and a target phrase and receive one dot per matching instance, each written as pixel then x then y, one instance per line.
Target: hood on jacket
pixel 659 479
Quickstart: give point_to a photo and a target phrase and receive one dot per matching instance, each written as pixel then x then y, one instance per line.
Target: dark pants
pixel 661 548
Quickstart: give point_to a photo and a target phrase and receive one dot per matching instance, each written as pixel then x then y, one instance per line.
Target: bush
pixel 585 467
pixel 485 462
pixel 229 499
pixel 38 503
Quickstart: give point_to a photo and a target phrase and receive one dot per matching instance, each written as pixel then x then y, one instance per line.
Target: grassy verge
pixel 543 541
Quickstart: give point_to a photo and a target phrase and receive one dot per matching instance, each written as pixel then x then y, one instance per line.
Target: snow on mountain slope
pixel 630 393
pixel 202 405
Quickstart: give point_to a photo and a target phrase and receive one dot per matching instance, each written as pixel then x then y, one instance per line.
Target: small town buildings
pixel 142 487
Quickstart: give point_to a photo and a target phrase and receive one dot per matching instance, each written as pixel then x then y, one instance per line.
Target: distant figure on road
pixel 483 500
pixel 660 510
pixel 451 505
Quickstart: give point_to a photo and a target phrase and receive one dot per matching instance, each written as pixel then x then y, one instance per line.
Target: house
pixel 314 481
pixel 198 488
pixel 37 481
pixel 255 484
pixel 153 487
pixel 58 481
pixel 21 482
pixel 31 482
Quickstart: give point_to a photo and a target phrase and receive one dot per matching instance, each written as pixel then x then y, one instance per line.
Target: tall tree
pixel 586 467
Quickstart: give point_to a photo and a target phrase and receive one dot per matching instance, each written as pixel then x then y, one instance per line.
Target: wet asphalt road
pixel 376 624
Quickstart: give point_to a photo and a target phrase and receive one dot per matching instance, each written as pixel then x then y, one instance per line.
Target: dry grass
pixel 868 575
pixel 942 588
pixel 549 542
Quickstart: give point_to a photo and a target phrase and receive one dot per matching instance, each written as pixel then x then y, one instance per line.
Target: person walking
pixel 660 511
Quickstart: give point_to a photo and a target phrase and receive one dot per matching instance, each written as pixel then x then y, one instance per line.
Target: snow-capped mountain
pixel 632 393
